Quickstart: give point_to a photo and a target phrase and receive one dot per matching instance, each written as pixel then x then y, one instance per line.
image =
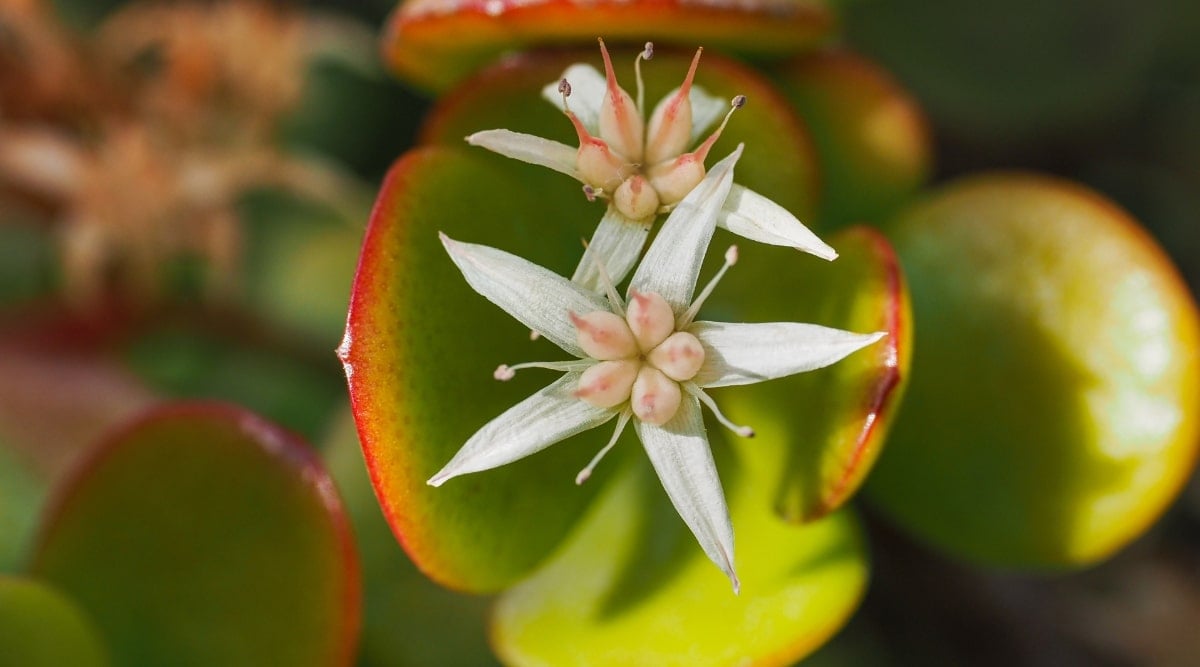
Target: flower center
pixel 641 358
pixel 641 166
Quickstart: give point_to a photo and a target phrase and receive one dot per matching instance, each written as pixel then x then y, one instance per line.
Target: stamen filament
pixel 504 372
pixel 646 54
pixel 702 150
pixel 731 258
pixel 591 466
pixel 695 390
pixel 610 290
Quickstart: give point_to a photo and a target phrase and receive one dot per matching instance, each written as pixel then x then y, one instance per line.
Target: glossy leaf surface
pixel 436 43
pixel 829 425
pixel 203 535
pixel 421 345
pixel 1052 411
pixel 408 620
pixel 630 587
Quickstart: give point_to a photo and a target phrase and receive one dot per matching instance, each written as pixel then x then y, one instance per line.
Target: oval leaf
pixel 872 137
pixel 203 535
pixel 435 43
pixel 421 346
pixel 39 627
pixel 829 424
pixel 631 588
pixel 1052 413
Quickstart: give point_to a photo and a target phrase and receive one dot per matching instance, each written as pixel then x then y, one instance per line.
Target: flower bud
pixel 655 397
pixel 604 335
pixel 635 199
pixel 679 357
pixel 675 179
pixel 650 319
pixel 608 383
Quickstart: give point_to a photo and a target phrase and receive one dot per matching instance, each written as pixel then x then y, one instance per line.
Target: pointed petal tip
pixel 737 585
pixel 438 479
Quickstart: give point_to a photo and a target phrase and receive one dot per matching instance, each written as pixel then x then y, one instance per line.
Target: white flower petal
pixel 529 148
pixel 706 111
pixel 549 416
pixel 747 353
pixel 672 264
pixel 749 214
pixel 537 297
pixel 617 243
pixel 681 456
pixel 588 86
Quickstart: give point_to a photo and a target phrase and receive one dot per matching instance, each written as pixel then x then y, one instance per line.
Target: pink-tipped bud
pixel 655 398
pixel 604 335
pixel 608 383
pixel 635 199
pixel 670 131
pixel 598 166
pixel 650 319
pixel 621 123
pixel 679 357
pixel 673 180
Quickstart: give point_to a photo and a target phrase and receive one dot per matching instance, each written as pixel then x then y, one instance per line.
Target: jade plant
pixel 1006 364
pixel 982 467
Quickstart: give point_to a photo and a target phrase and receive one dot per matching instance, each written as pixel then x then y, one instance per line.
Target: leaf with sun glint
pixel 629 588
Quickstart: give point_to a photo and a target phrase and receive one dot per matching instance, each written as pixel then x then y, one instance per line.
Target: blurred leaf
pixel 299 265
pixel 203 535
pixel 872 138
pixel 630 587
pixel 1051 415
pixel 21 497
pixel 232 362
pixel 1006 75
pixel 39 627
pixel 407 619
pixel 27 262
pixel 436 44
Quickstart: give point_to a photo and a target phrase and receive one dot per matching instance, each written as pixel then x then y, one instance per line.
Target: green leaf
pixel 407 619
pixel 1052 411
pixel 203 535
pixel 829 424
pixel 872 137
pixel 39 627
pixel 21 497
pixel 631 588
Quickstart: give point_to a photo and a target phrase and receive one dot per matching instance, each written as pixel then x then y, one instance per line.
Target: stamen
pixel 564 87
pixel 646 54
pixel 590 192
pixel 695 390
pixel 504 372
pixel 610 290
pixel 591 466
pixel 734 104
pixel 731 258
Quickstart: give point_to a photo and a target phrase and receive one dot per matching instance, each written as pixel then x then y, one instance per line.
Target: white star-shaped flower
pixel 642 168
pixel 642 359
